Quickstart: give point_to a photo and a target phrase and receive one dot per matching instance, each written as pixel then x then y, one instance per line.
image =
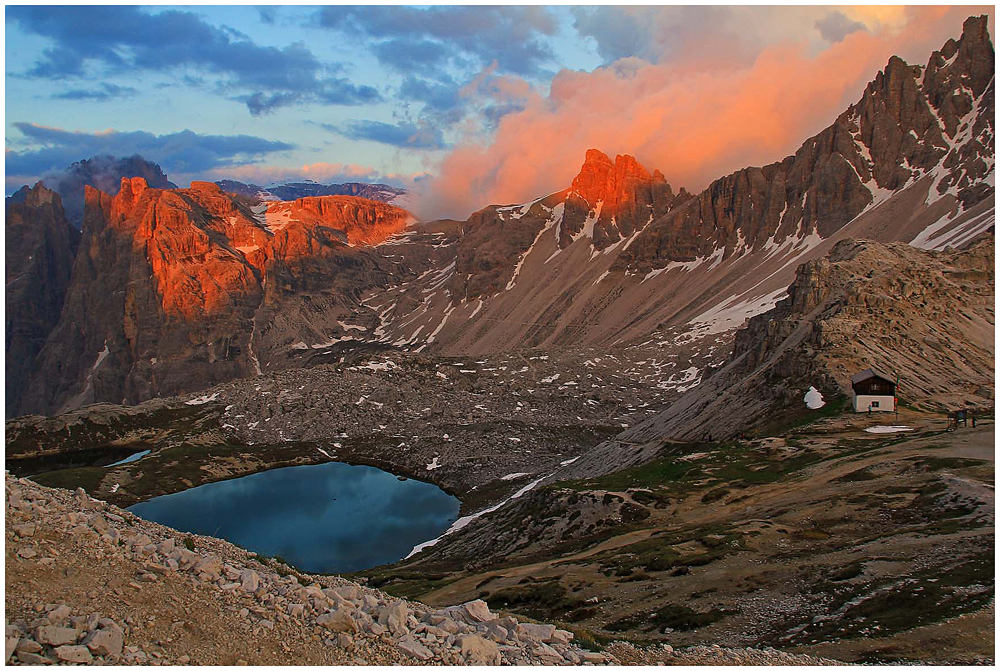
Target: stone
pixel 74 653
pixel 27 553
pixel 28 645
pixel 478 611
pixel 296 609
pixel 24 530
pixel 250 580
pixel 183 659
pixel 415 649
pixel 140 540
pixel 210 566
pixel 10 645
pixel 53 635
pixel 560 636
pixel 107 641
pixel 478 650
pixel 338 620
pixel 396 617
pixel 535 632
pixel 345 641
pixel 59 613
pixel 593 657
pixel 32 658
pixel 496 632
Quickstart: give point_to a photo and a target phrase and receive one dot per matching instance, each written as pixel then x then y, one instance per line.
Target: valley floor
pixel 88 582
pixel 832 540
pixel 822 535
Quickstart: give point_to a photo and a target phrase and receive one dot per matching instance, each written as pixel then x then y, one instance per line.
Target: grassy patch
pixel 793 418
pixel 672 616
pixel 892 605
pixel 541 599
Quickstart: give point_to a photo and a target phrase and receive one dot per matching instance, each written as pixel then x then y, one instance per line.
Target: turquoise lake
pixel 324 518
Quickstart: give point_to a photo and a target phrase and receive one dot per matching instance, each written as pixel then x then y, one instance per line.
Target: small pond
pixel 325 518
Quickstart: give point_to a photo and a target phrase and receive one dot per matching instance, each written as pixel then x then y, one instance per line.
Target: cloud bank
pixel 183 152
pixel 696 116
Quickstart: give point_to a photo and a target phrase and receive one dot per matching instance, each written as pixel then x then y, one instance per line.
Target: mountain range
pixel 293 190
pixel 173 290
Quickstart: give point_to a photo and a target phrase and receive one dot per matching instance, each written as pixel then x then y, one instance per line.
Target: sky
pixel 464 105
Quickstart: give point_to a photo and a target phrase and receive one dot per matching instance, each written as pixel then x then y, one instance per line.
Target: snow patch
pixel 887 429
pixel 201 400
pixel 463 522
pixel 814 399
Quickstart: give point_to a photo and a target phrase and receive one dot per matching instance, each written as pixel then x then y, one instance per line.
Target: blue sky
pixel 467 105
pixel 373 89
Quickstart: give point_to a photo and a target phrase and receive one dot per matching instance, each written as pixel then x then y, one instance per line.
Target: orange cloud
pixel 695 120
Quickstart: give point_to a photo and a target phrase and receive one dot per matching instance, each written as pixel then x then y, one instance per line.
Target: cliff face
pixel 40 247
pixel 613 200
pixel 927 316
pixel 930 124
pixel 175 290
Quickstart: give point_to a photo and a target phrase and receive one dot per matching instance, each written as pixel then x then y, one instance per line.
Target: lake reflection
pixel 327 518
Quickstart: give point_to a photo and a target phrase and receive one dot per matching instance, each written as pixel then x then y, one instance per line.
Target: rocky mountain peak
pixel 39 195
pixel 618 197
pixel 601 180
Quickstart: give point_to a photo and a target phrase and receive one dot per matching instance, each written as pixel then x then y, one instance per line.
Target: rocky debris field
pixel 91 583
pixel 710 655
pixel 465 422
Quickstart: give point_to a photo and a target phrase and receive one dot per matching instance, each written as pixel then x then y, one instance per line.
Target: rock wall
pixel 41 245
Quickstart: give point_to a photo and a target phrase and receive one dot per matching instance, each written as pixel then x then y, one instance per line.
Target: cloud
pixel 435 94
pixel 324 173
pixel 102 93
pixel 515 36
pixel 183 152
pixel 834 27
pixel 695 119
pixel 130 39
pixel 268 14
pixel 402 53
pixel 405 134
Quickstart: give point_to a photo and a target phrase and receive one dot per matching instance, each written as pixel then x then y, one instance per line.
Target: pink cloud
pixel 696 118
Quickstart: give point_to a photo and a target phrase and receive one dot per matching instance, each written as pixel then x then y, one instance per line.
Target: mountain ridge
pixel 617 257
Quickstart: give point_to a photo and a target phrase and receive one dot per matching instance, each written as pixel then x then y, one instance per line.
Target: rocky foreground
pixel 90 583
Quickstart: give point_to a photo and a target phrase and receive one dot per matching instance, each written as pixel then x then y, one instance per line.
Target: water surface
pixel 327 518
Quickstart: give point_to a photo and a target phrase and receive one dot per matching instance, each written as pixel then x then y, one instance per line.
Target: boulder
pixel 250 580
pixel 107 641
pixel 478 611
pixel 10 646
pixel 478 650
pixel 74 653
pixel 58 614
pixel 24 530
pixel 535 632
pixel 53 635
pixel 415 649
pixel 32 658
pixel 28 645
pixel 339 621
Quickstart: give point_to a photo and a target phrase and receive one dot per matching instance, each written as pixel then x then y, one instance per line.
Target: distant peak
pixel 601 179
pixel 596 156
